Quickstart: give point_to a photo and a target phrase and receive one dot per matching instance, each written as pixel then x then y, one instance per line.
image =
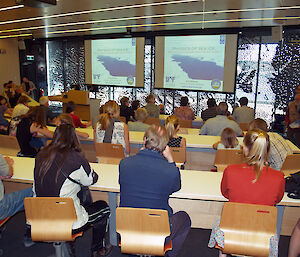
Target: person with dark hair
pixel 279 148
pixel 184 112
pixel 148 178
pixel 243 114
pixel 60 171
pixel 29 88
pixel 31 124
pixel 211 111
pixel 70 108
pixel 252 182
pixel 214 126
pixel 293 115
pixel 11 94
pixel 153 110
pixel 135 105
pixel 125 109
pixel 3 109
pixel 22 107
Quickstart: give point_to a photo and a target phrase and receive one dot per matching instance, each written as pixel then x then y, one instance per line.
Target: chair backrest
pixel 179 154
pixel 9 145
pixel 248 228
pixel 151 121
pixel 244 126
pixel 109 153
pixel 291 164
pixel 185 123
pixel 224 157
pixel 51 218
pixel 143 231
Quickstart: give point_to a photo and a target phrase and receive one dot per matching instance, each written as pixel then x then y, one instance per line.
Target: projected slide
pixel 195 62
pixel 114 62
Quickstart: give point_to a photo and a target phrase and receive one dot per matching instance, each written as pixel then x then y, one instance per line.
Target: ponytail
pixel 110 110
pixel 258 144
pixel 172 123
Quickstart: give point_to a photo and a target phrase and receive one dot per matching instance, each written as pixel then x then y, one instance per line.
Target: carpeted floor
pixel 12 243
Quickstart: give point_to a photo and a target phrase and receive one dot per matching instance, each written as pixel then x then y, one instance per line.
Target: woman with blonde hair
pixel 228 140
pixel 172 127
pixel 109 130
pixel 252 182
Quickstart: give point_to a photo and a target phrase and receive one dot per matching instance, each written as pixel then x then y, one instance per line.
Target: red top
pixel 237 185
pixel 77 122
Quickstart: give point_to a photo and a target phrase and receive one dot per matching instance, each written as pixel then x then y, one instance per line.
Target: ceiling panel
pixel 106 16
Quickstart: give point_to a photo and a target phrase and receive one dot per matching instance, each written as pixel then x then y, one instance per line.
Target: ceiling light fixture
pixel 145 17
pixel 97 10
pixel 11 7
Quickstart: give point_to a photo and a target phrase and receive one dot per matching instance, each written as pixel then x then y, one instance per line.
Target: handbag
pixel 292 185
pixel 84 194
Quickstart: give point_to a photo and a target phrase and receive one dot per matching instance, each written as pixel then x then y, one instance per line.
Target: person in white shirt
pixel 22 107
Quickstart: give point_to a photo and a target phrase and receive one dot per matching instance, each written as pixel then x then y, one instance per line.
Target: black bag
pixel 84 194
pixel 292 185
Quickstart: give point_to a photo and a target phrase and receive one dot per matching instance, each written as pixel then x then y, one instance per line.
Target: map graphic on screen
pixel 114 61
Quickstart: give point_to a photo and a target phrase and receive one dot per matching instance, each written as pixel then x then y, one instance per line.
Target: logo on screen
pixel 222 39
pixel 216 84
pixel 130 80
pixel 170 79
pixel 96 76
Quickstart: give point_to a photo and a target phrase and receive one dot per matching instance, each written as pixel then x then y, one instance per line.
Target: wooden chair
pixel 9 145
pixel 248 228
pixel 89 151
pixel 151 121
pixel 291 164
pixel 244 126
pixel 179 156
pixel 109 153
pixel 2 222
pixel 143 231
pixel 51 220
pixel 185 123
pixel 224 157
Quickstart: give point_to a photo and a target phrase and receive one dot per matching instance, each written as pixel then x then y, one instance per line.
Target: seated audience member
pixel 172 127
pixel 247 183
pixel 125 109
pixel 279 148
pixel 184 112
pixel 4 106
pixel 135 105
pixel 148 178
pixel 60 171
pixel 22 107
pixel 139 125
pixel 228 140
pixel 11 203
pixel 11 94
pixel 243 114
pixel 214 126
pixel 293 115
pixel 50 116
pixel 109 130
pixel 161 109
pixel 153 110
pixel 31 124
pixel 66 119
pixel 294 248
pixel 211 111
pixel 3 109
pixel 70 108
pixel 29 88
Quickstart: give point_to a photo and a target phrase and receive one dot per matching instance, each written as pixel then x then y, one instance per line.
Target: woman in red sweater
pixel 253 182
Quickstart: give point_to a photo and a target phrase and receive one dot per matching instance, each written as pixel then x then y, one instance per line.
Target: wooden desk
pixel 200 195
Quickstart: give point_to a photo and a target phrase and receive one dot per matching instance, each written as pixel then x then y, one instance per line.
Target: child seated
pixel 172 127
pixel 228 140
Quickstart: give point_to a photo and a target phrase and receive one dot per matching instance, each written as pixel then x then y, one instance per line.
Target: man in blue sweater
pixel 148 178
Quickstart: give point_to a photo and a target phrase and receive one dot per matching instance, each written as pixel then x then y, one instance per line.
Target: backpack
pixel 292 185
